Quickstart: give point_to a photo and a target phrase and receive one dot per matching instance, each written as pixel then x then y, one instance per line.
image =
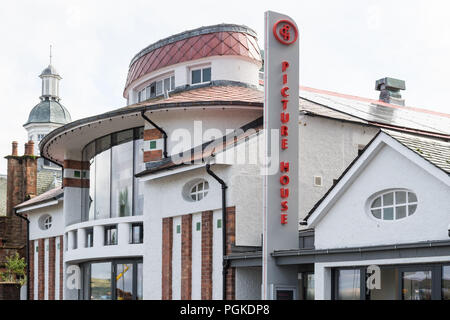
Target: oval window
pixel 45 222
pixel 199 191
pixel 394 205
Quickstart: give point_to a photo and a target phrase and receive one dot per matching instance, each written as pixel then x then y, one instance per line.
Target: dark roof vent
pixel 390 90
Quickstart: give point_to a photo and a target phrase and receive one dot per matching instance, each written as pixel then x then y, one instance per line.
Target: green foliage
pixel 15 270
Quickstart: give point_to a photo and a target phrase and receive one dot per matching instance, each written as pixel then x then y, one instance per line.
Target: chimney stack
pixel 14 149
pixel 390 90
pixel 29 148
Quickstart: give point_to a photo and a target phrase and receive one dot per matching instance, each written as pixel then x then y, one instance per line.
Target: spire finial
pixel 50 54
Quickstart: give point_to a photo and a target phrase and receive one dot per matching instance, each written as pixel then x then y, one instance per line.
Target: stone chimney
pixel 390 90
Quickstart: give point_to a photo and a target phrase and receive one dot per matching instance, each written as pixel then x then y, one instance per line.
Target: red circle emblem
pixel 285 32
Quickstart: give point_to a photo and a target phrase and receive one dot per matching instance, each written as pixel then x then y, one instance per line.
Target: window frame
pixel 204 192
pixel 202 80
pixel 141 234
pixel 106 235
pixel 394 205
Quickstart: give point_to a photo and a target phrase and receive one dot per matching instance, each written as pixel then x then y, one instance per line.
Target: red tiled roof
pixel 225 43
pixel 208 94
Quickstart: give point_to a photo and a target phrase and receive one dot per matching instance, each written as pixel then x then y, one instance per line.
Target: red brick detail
pixel 31 262
pixel 167 245
pixel 186 257
pixel 153 155
pixel 51 268
pixel 76 183
pixel 61 267
pixel 76 165
pixel 41 269
pixel 207 255
pixel 230 243
pixel 152 134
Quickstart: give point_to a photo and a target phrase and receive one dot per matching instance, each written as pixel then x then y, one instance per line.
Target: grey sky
pixel 345 46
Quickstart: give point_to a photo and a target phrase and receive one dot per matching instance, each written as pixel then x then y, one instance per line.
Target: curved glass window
pixel 114 160
pixel 394 205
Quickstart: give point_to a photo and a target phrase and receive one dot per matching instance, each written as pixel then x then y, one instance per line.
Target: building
pixel 162 198
pixel 30 176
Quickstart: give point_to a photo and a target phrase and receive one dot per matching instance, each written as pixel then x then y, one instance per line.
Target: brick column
pixel 167 244
pixel 153 144
pixel 186 257
pixel 51 268
pixel 31 263
pixel 41 269
pixel 61 267
pixel 230 242
pixel 76 174
pixel 207 254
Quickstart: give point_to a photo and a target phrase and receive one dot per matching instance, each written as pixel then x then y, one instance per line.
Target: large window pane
pixel 446 283
pixel 349 284
pixel 139 281
pixel 102 184
pixel 124 281
pixel 309 286
pixel 139 166
pixel 416 285
pixel 101 281
pixel 196 76
pixel 206 74
pixel 90 201
pixel 122 180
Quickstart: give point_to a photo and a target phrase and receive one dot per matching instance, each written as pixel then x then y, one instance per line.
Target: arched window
pixel 394 205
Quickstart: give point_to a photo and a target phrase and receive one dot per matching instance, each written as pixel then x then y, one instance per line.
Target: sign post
pixel 280 190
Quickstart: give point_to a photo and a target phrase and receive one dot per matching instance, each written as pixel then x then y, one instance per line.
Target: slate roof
pixel 53 194
pixel 435 151
pixel 49 111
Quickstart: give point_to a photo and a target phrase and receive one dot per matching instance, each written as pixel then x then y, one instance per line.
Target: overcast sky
pixel 345 46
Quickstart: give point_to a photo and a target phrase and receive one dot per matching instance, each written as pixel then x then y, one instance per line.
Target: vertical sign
pixel 281 111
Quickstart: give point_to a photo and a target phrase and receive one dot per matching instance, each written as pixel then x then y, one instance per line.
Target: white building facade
pixel 162 198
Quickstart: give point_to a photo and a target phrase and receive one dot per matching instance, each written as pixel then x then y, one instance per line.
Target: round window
pixel 45 222
pixel 394 205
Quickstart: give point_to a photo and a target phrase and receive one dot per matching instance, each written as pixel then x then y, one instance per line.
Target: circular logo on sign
pixel 285 32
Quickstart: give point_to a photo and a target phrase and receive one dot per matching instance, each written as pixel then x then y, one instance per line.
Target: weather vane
pixel 50 54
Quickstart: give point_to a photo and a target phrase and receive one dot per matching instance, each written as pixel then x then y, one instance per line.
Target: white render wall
pixel 326 148
pixel 196 293
pixel 248 283
pixel 349 224
pixel 57 228
pixel 231 68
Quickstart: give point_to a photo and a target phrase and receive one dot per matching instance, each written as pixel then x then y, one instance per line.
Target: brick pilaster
pixel 186 257
pixel 51 268
pixel 167 245
pixel 61 267
pixel 31 263
pixel 41 269
pixel 230 243
pixel 207 255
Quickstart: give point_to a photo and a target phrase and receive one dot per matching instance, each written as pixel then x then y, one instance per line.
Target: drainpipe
pixel 225 263
pixel 159 129
pixel 61 166
pixel 28 251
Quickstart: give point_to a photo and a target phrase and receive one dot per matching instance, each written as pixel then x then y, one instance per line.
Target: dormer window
pixel 394 205
pixel 157 88
pixel 200 75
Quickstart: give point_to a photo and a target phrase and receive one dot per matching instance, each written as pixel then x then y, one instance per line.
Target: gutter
pixel 28 251
pixel 157 128
pixel 225 262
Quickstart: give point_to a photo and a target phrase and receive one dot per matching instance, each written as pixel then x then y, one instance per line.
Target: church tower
pixel 46 116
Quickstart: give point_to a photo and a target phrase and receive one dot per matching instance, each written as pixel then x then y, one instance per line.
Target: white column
pixel 322 281
pixel 70 240
pixel 123 233
pixel 99 237
pixel 81 238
